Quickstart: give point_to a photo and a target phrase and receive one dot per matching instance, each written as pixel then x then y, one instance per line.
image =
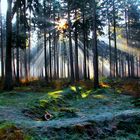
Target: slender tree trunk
pixel 127 20
pixel 68 66
pixel 102 64
pixel 122 65
pixel 54 44
pixel 95 49
pixel 54 47
pixel 1 44
pixel 25 50
pixel 110 52
pixel 115 39
pixel 17 66
pixel 76 56
pixel 50 55
pixel 125 74
pixel 62 66
pixel 132 66
pixel 29 46
pixel 70 47
pixel 25 64
pixel 109 41
pixel 119 64
pixel 57 60
pixel 45 56
pixel 138 66
pixel 87 53
pixel 8 83
pixel 21 69
pixel 84 42
pixel 45 45
pixel 128 65
pixel 14 66
pixel 56 54
pixel 17 49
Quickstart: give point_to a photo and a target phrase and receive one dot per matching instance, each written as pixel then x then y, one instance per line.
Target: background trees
pixel 49 38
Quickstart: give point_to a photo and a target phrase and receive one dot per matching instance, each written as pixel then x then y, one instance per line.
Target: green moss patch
pixel 55 103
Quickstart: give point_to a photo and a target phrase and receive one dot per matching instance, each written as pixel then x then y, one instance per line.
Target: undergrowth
pixel 9 131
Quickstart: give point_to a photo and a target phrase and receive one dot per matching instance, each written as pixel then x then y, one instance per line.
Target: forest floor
pixel 74 112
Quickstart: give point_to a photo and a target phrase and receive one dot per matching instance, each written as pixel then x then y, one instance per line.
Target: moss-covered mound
pixel 54 103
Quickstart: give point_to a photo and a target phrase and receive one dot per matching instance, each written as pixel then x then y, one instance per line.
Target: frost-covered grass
pixel 18 99
pixel 74 111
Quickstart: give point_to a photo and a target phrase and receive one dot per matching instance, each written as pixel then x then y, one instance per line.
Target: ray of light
pixel 122 46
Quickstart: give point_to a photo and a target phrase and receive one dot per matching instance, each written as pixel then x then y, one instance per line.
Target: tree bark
pixel 84 42
pixel 95 49
pixel 8 83
pixel 17 50
pixel 109 40
pixel 45 56
pixel 50 55
pixel 76 55
pixel 115 39
pixel 1 43
pixel 70 47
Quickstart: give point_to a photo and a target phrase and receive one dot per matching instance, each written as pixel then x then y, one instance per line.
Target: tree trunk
pixel 132 66
pixel 70 47
pixel 25 50
pixel 29 46
pixel 102 64
pixel 87 54
pixel 109 41
pixel 45 41
pixel 54 44
pixel 84 42
pixel 57 59
pixel 137 66
pixel 122 65
pixel 115 39
pixel 76 55
pixel 127 40
pixel 17 49
pixel 14 66
pixel 1 43
pixel 45 56
pixel 25 64
pixel 8 83
pixel 50 55
pixel 95 49
pixel 54 47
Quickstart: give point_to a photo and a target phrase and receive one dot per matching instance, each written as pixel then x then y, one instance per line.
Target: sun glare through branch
pixel 62 24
